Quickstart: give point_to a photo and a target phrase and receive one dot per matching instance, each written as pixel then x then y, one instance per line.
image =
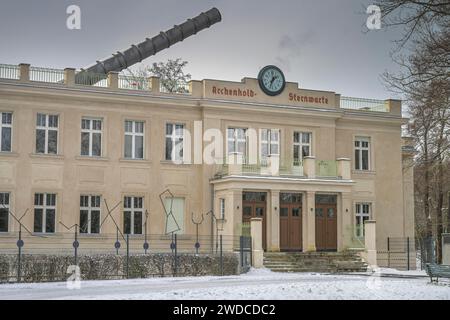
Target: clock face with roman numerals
pixel 271 80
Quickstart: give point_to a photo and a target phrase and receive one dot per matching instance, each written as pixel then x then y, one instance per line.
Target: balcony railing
pixel 8 71
pixel 91 79
pixel 309 168
pixel 134 83
pixel 364 104
pixel 326 168
pixel 46 75
pixel 174 87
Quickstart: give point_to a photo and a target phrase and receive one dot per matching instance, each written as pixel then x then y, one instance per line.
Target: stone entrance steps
pixel 325 262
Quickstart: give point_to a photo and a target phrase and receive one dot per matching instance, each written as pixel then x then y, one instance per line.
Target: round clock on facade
pixel 271 80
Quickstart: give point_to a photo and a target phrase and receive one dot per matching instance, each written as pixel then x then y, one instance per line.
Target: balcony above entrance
pixel 308 168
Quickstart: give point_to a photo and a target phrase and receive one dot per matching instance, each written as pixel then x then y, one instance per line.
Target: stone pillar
pixel 196 88
pixel 235 161
pixel 343 168
pixel 446 248
pixel 113 80
pixel 274 164
pixel 370 242
pixel 155 84
pixel 236 210
pixel 309 221
pixel 345 212
pixel 309 167
pixel 394 106
pixel 274 221
pixel 69 77
pixel 257 248
pixel 24 72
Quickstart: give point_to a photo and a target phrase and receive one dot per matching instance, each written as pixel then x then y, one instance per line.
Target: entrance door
pixel 290 222
pixel 326 222
pixel 254 206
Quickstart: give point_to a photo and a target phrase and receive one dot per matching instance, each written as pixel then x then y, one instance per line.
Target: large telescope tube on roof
pixel 149 47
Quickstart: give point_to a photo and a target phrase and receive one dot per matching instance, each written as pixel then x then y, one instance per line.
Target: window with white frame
pixel 362 153
pixel 175 219
pixel 90 214
pixel 270 142
pixel 302 146
pixel 133 214
pixel 6 131
pixel 222 208
pixel 91 137
pixel 174 141
pixel 4 211
pixel 237 141
pixel 134 139
pixel 47 133
pixel 44 212
pixel 362 215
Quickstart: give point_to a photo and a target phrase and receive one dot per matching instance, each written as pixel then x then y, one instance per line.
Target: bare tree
pixel 171 74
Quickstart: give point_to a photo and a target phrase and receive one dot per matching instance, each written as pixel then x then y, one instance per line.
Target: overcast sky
pixel 321 44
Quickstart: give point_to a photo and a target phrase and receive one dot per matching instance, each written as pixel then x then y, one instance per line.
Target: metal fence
pixel 46 75
pixel 361 104
pixel 76 245
pixel 91 79
pixel 8 71
pixel 134 83
pixel 398 253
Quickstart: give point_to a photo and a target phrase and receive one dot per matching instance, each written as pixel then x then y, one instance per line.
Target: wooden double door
pixel 254 206
pixel 326 223
pixel 290 222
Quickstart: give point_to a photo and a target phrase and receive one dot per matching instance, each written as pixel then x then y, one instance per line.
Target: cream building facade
pixel 325 163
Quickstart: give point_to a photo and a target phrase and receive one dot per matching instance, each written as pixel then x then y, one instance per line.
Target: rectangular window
pixel 47 133
pixel 174 142
pixel 362 215
pixel 134 139
pixel 44 212
pixel 6 131
pixel 4 211
pixel 270 142
pixel 91 137
pixel 302 146
pixel 90 214
pixel 237 141
pixel 362 153
pixel 222 208
pixel 133 215
pixel 175 211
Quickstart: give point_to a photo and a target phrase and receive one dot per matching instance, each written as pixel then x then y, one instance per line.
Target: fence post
pixel 75 245
pixel 407 248
pixel 19 257
pixel 221 256
pixel 389 253
pixel 241 249
pixel 128 255
pixel 176 252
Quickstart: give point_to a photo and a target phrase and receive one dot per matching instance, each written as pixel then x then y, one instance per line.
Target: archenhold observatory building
pixel 325 164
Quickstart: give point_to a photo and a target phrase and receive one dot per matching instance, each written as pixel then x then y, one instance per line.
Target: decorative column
pixel 24 72
pixel 274 221
pixel 345 227
pixel 113 80
pixel 370 242
pixel 257 249
pixel 309 167
pixel 343 168
pixel 309 221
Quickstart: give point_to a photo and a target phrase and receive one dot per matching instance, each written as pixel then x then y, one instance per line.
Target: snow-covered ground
pixel 256 285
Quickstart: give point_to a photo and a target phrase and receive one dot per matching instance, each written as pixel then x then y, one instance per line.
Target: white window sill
pixel 47 156
pixel 92 158
pixel 175 163
pixel 130 160
pixel 366 172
